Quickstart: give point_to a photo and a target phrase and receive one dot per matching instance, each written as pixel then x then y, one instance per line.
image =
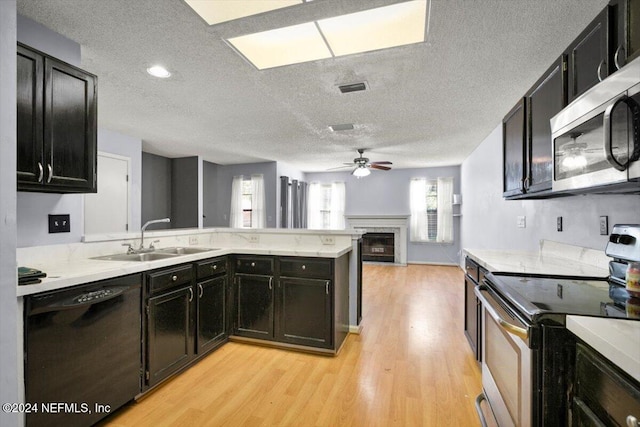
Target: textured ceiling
pixel 428 104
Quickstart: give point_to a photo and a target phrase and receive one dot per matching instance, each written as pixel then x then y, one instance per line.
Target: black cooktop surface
pixel 536 297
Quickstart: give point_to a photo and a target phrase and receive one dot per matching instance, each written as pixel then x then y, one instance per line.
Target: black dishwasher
pixel 82 351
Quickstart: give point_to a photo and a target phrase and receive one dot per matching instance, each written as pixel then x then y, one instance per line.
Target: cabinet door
pixel 625 32
pixel 471 315
pixel 304 312
pixel 211 313
pixel 29 117
pixel 547 97
pixel 513 134
pixel 588 56
pixel 254 306
pixel 70 131
pixel 169 340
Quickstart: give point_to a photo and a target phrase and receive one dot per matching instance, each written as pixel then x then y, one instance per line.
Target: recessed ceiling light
pixel 158 71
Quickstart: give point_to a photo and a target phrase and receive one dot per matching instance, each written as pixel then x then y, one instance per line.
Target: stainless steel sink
pixel 149 256
pixel 183 250
pixel 163 253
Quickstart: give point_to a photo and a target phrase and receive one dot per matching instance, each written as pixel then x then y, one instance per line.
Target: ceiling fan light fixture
pixel 361 171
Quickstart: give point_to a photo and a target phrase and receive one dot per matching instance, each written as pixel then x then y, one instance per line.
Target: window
pixel 247 202
pixel 431 210
pixel 325 206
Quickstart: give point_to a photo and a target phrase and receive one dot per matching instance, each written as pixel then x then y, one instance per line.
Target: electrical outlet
pixel 328 240
pixel 254 238
pixel 559 223
pixel 604 225
pixel 522 221
pixel 59 224
pixel 193 240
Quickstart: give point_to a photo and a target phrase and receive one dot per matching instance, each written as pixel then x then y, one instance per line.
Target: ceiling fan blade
pixel 382 168
pixel 381 163
pixel 342 167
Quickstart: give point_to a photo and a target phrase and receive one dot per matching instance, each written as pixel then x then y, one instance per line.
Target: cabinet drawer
pixel 606 392
pixel 472 269
pixel 306 267
pixel 211 267
pixel 168 278
pixel 255 265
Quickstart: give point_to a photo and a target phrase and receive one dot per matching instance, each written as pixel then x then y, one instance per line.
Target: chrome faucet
pixel 144 227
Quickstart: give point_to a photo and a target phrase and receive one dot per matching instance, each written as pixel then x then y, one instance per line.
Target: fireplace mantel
pixel 396 224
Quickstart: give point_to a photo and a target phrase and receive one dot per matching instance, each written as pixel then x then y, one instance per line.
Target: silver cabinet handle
pixel 50 168
pixel 304 267
pixel 190 294
pixel 201 290
pixel 600 78
pixel 270 282
pixel 326 288
pixel 41 172
pixel 174 278
pixel 214 267
pixel 632 421
pixel 616 57
pixel 253 264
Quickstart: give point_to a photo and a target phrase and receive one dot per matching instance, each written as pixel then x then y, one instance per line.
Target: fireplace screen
pixel 378 247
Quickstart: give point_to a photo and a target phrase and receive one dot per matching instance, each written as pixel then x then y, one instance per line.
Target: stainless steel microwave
pixel 596 138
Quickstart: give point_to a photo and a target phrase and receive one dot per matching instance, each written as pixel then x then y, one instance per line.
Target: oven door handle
pixel 507 326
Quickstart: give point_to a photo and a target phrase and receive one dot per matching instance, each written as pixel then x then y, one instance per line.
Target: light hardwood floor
pixel 410 366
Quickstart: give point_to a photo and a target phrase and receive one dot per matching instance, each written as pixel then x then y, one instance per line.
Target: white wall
pixel 489 221
pixel 387 193
pixel 11 372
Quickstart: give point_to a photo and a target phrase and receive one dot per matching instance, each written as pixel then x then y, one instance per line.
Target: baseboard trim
pixel 355 329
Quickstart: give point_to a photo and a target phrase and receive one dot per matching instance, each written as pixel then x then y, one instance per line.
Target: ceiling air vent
pixel 345 126
pixel 353 87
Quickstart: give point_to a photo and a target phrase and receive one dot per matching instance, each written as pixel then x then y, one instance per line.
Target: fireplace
pixel 378 247
pixel 377 224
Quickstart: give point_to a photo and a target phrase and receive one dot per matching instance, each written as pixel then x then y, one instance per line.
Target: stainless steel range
pixel 527 351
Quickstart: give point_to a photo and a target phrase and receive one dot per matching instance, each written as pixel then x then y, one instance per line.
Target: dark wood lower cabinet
pixel 169 336
pixel 471 316
pixel 603 395
pixel 305 312
pixel 211 308
pixel 254 306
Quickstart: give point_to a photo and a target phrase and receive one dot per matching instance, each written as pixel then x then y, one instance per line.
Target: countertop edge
pixel 615 339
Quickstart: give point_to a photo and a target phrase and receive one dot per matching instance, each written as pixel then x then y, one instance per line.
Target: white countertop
pixel 553 259
pixel 62 273
pixel 616 339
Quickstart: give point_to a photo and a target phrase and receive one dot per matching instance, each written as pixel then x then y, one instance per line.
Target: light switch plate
pixel 559 223
pixel 604 225
pixel 59 224
pixel 254 238
pixel 193 240
pixel 522 221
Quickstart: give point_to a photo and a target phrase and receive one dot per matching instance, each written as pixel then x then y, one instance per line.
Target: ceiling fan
pixel 362 165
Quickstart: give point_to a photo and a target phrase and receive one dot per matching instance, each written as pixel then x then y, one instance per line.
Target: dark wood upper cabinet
pixel 588 56
pixel 513 143
pixel 57 125
pixel 625 32
pixel 544 100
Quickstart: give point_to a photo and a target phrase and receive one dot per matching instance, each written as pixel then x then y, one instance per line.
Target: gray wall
pixel 184 192
pixel 489 221
pixel 387 193
pixel 11 388
pixel 224 178
pixel 156 188
pixel 209 193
